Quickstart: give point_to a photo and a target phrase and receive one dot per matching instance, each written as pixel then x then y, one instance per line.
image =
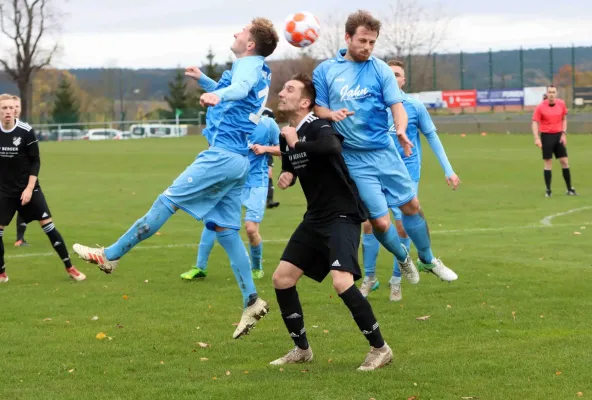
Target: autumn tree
pixel 27 25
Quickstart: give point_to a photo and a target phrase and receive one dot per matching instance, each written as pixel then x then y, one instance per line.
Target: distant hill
pixel 152 84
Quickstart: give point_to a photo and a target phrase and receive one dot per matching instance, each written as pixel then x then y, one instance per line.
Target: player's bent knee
pixel 45 221
pixel 342 280
pixel 410 208
pixel 252 228
pixel 286 275
pixel 381 224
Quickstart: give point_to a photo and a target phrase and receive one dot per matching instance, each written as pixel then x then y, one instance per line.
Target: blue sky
pixel 148 33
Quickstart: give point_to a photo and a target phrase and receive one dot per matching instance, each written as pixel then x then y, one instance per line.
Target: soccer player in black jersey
pixel 21 225
pixel 19 186
pixel 327 240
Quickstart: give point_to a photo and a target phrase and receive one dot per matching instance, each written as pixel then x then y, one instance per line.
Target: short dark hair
pixel 264 35
pixel 551 86
pixel 396 63
pixel 364 19
pixel 308 90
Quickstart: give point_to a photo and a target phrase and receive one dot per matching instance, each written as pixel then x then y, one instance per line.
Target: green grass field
pixel 516 325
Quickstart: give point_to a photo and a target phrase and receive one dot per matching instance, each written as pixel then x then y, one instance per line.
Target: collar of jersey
pixel 341 56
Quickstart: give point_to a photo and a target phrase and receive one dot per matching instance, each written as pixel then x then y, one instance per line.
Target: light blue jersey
pixel 367 88
pixel 267 133
pixel 419 119
pixel 230 122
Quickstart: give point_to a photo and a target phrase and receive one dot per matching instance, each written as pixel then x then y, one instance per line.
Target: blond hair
pixel 6 96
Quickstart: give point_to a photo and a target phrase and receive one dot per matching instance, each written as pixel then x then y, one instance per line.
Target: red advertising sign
pixel 459 98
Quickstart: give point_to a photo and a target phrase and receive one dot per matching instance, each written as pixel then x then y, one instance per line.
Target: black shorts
pixel 552 145
pixel 318 249
pixel 34 210
pixel 269 160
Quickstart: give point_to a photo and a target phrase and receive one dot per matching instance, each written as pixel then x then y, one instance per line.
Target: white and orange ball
pixel 302 29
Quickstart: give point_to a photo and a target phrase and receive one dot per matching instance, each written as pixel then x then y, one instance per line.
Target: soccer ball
pixel 302 29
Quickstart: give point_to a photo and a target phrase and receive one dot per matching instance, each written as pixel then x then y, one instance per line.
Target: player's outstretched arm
pixel 206 83
pixel 427 127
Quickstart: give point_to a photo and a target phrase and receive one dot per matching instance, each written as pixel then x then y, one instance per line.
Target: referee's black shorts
pixel 34 210
pixel 552 146
pixel 317 249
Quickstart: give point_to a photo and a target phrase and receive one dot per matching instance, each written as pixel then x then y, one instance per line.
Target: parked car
pixel 69 134
pixel 123 135
pixel 101 134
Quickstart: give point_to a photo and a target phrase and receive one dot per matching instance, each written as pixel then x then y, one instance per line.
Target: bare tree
pixel 27 23
pixel 411 28
pixel 332 37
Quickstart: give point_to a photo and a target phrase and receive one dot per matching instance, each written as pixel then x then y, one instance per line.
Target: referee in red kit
pixel 549 124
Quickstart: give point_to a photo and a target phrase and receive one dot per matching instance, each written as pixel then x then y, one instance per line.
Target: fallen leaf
pixel 304 371
pixel 158 233
pixel 214 378
pixel 146 281
pixel 235 324
pixel 325 331
pixel 197 328
pixel 162 362
pixel 577 233
pixel 203 345
pixel 119 326
pixel 281 370
pixel 125 297
pixel 448 306
pixel 101 335
pixel 315 326
pixel 424 318
pixel 203 359
pixel 558 373
pixel 227 373
pixel 67 322
pixel 71 370
pixel 110 337
pixel 95 318
pixel 579 394
pixel 414 383
pixel 542 316
pixel 412 398
pixel 47 319
pixel 514 315
pixel 582 227
pixel 469 398
pixel 330 361
pixel 245 372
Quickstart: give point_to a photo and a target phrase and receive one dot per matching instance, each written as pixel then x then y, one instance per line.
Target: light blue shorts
pixel 254 199
pixel 381 177
pixel 210 188
pixel 397 211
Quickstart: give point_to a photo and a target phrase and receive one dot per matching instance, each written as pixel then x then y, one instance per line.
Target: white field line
pixel 547 220
pixel 435 232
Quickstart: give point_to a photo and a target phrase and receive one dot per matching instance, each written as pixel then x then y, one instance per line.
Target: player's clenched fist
pixel 290 134
pixel 340 115
pixel 209 99
pixel 285 180
pixel 193 72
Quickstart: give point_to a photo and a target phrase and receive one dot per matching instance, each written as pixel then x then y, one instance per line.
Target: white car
pixel 101 134
pixel 123 136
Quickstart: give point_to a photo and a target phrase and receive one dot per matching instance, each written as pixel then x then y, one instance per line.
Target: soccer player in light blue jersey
pixel 418 120
pixel 210 188
pixel 263 141
pixel 354 90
